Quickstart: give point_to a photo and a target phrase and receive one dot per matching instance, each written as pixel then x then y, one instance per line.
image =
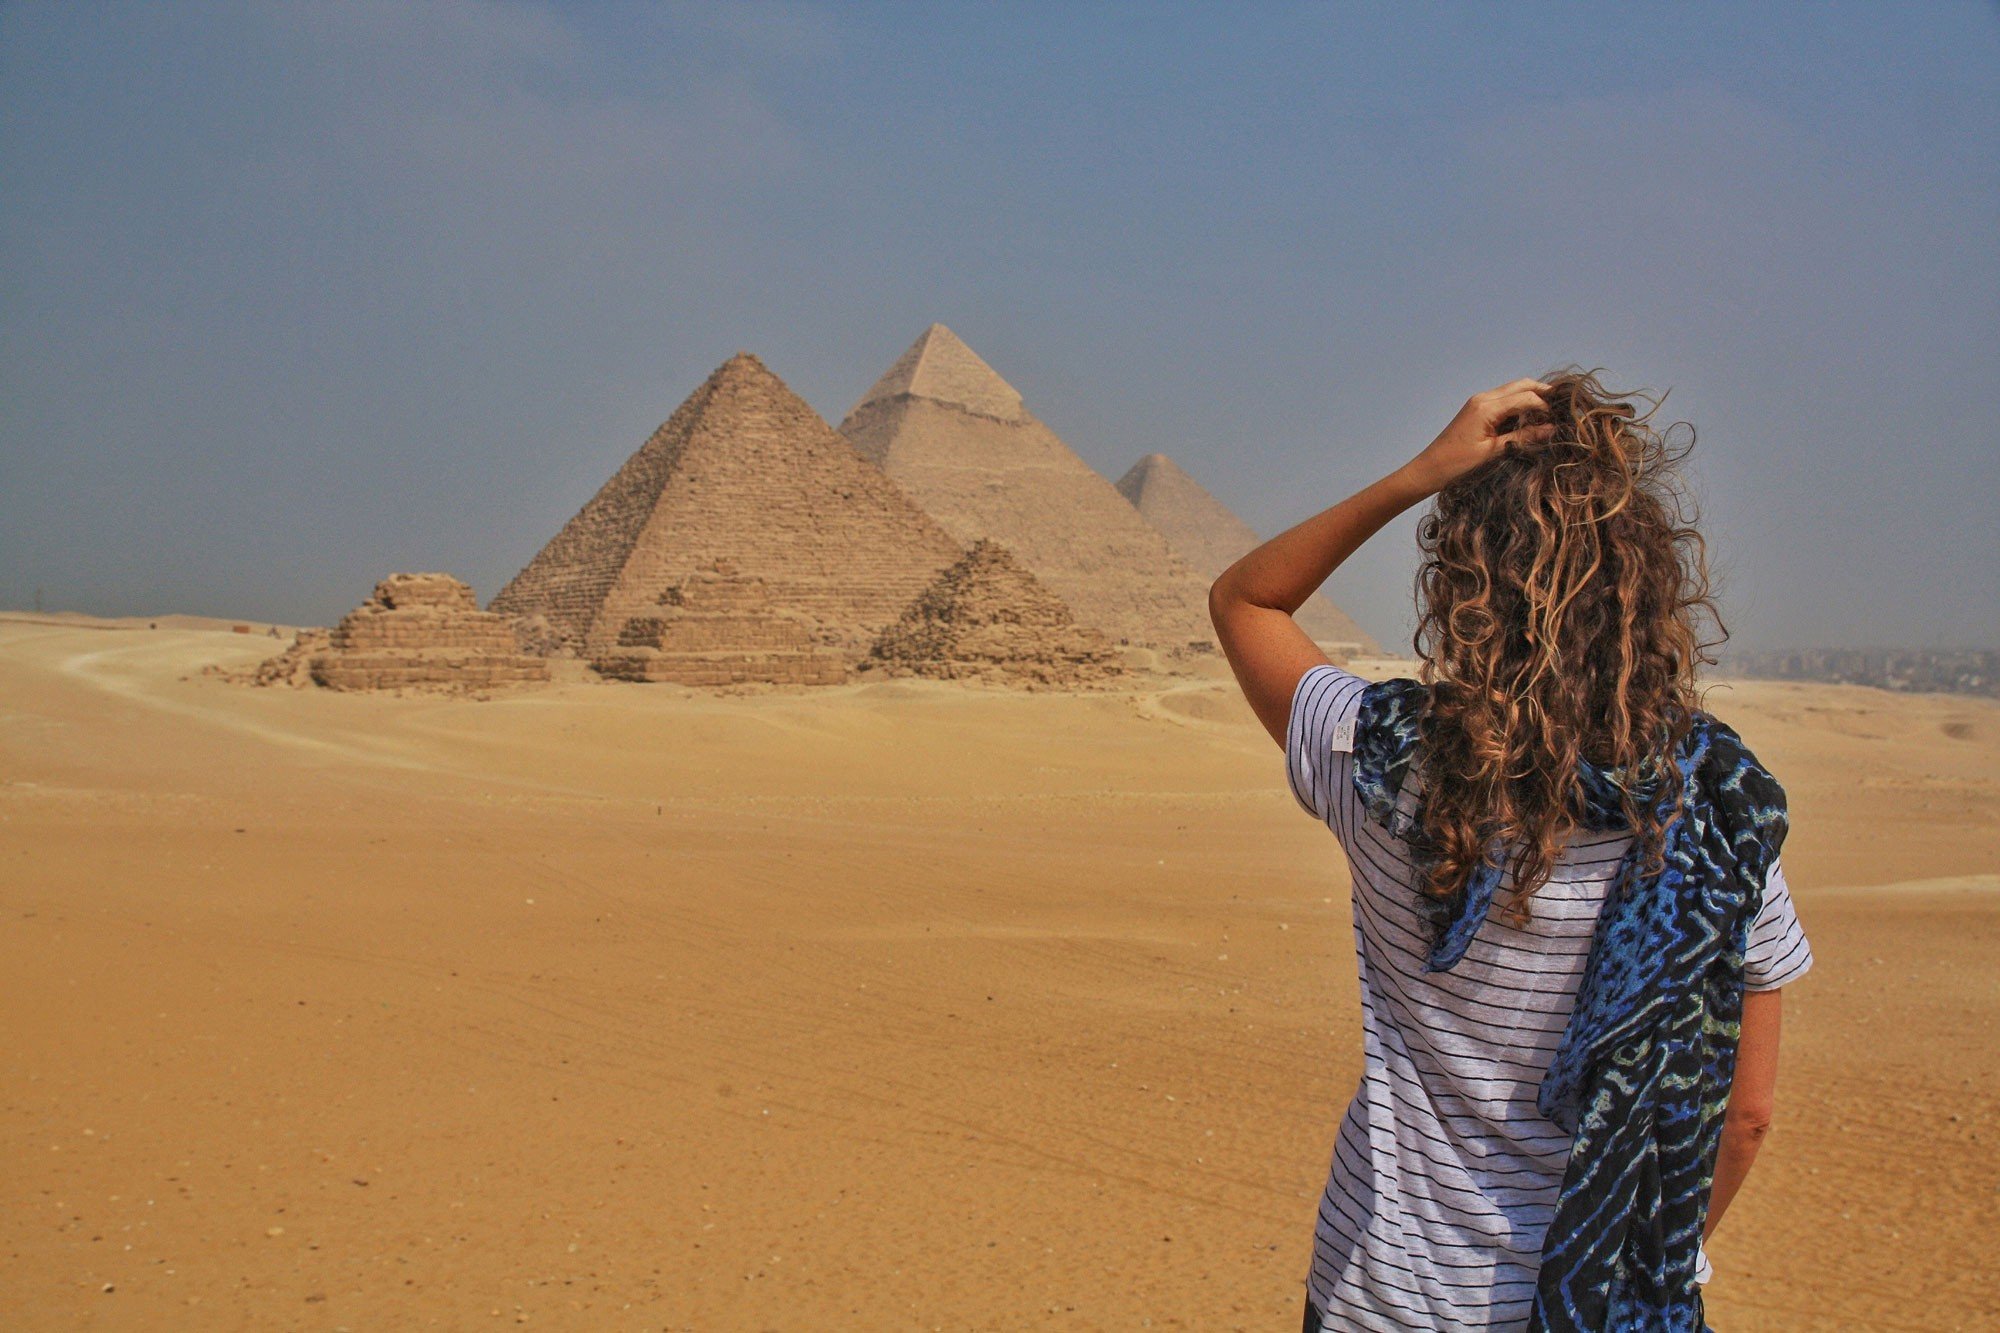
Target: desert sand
pixel 883 1005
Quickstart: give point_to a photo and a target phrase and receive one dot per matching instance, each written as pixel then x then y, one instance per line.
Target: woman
pixel 1570 920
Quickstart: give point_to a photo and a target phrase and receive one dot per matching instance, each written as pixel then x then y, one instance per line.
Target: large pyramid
pixel 746 473
pixel 956 436
pixel 1210 537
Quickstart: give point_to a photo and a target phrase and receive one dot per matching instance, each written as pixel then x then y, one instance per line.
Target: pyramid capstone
pixel 957 438
pixel 743 472
pixel 940 367
pixel 1209 535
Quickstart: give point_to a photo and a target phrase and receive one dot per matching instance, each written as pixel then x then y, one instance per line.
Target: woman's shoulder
pixel 1728 762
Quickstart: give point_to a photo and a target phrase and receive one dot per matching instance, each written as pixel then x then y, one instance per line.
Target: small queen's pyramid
pixel 416 631
pixel 822 550
pixel 1209 536
pixel 957 437
pixel 988 618
pixel 717 627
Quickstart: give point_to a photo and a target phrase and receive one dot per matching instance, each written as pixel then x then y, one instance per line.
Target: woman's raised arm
pixel 1252 601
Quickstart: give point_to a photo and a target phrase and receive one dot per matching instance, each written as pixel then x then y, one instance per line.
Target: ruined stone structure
pixel 746 472
pixel 718 627
pixel 957 437
pixel 988 618
pixel 1210 537
pixel 416 631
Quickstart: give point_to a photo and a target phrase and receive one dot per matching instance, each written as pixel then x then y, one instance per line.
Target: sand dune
pixel 890 1005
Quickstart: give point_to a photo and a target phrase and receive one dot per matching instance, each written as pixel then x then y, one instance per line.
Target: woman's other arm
pixel 1252 601
pixel 1751 1096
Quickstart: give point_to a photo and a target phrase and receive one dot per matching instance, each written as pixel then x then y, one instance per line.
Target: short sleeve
pixel 1778 952
pixel 1324 705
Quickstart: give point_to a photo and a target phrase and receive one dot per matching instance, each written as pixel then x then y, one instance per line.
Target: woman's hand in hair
pixel 1515 412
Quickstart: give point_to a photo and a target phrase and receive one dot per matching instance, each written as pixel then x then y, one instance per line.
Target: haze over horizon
pixel 297 296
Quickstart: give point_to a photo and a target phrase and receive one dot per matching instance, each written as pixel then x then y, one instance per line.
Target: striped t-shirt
pixel 1445 1174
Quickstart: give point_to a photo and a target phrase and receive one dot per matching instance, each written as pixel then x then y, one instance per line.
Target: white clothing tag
pixel 1343 735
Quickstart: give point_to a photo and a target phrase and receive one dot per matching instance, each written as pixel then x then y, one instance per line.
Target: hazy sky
pixel 297 295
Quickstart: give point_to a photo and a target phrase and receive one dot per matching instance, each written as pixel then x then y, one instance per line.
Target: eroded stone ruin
pixel 416 631
pixel 718 627
pixel 987 618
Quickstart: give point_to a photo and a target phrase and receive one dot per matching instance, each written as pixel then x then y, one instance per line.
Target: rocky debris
pixel 745 471
pixel 717 626
pixel 955 435
pixel 988 618
pixel 293 666
pixel 1210 537
pixel 536 637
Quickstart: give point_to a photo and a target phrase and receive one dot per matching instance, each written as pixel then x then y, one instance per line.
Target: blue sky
pixel 296 295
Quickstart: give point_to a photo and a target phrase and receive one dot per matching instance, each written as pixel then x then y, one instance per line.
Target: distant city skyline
pixel 1961 671
pixel 297 296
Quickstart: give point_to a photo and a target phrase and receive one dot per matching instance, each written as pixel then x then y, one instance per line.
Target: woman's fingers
pixel 1515 386
pixel 1476 434
pixel 1514 403
pixel 1527 435
pixel 1513 399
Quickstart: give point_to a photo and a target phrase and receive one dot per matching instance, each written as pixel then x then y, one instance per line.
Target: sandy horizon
pixel 898 1005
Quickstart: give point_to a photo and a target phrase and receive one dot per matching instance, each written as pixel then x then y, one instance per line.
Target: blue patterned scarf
pixel 1641 1079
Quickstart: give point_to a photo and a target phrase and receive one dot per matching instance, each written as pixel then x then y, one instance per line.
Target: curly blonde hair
pixel 1560 602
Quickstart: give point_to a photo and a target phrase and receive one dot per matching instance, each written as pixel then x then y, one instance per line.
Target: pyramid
pixel 1210 537
pixel 986 617
pixel 957 437
pixel 744 472
pixel 717 627
pixel 416 631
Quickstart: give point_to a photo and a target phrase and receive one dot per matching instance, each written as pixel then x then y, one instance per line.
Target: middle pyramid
pixel 955 435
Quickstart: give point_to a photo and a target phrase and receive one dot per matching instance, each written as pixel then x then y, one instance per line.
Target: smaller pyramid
pixel 1205 531
pixel 416 631
pixel 1208 535
pixel 940 367
pixel 718 627
pixel 988 618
